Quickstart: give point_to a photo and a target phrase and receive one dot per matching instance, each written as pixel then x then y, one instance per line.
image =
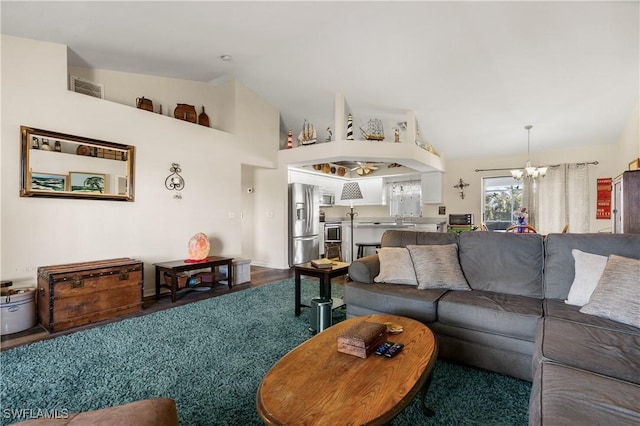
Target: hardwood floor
pixel 259 276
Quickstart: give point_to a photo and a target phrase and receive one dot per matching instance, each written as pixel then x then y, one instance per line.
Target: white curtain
pixel 562 198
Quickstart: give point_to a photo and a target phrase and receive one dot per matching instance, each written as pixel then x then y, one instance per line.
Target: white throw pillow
pixel 589 268
pixel 617 295
pixel 395 266
pixel 438 266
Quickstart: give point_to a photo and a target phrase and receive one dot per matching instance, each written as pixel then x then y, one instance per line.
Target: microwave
pixel 465 219
pixel 326 199
pixel 332 232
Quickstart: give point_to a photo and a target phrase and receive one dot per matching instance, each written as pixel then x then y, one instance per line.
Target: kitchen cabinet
pixel 327 184
pixel 431 188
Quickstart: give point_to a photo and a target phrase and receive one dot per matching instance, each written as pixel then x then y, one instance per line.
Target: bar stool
pixel 333 250
pixel 361 247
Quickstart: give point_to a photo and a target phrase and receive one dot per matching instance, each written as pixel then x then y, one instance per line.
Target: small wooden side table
pixel 325 275
pixel 175 266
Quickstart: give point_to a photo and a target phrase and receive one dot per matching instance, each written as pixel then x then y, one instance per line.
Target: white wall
pixel 270 236
pixel 629 142
pixel 124 88
pixel 156 227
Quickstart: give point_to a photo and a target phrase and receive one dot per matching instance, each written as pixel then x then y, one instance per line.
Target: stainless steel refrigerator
pixel 304 223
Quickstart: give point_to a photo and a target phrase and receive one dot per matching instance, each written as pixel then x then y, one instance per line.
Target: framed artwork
pixel 87 182
pixel 48 182
pixel 635 164
pixel 111 177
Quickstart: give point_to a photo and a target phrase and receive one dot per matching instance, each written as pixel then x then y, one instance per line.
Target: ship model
pixel 308 134
pixel 373 131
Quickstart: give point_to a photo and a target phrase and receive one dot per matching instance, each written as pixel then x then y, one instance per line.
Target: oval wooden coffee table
pixel 316 384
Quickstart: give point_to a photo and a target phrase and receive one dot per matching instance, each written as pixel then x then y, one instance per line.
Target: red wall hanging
pixel 603 208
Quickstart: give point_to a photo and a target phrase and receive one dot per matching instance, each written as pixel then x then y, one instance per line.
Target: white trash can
pixel 17 310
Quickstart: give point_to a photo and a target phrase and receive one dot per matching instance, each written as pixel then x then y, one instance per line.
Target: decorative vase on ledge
pixel 203 118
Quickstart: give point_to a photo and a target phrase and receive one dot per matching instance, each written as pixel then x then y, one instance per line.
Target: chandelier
pixel 529 171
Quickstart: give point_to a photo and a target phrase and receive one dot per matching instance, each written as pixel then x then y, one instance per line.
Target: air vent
pixel 86 87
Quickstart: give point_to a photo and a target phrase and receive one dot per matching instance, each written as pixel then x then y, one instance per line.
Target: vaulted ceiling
pixel 475 73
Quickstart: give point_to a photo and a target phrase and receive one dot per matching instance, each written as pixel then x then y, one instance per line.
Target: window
pixel 405 199
pixel 501 197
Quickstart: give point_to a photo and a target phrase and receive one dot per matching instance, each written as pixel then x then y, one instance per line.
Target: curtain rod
pixel 595 163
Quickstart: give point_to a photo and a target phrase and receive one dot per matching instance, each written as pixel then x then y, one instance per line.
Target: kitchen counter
pixel 370 230
pixel 382 225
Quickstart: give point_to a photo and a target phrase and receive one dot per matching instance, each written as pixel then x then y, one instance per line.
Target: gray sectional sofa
pixel 585 369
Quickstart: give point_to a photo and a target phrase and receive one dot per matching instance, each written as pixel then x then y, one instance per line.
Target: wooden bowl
pixel 185 112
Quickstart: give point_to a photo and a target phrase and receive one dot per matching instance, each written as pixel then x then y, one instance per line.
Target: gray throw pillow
pixel 437 266
pixel 395 266
pixel 589 268
pixel 617 295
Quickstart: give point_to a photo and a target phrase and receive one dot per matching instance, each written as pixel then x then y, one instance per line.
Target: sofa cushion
pixel 559 265
pixel 503 262
pixel 589 268
pixel 484 339
pixel 617 295
pixel 497 313
pixel 558 309
pixel 563 395
pixel 514 363
pixel 606 351
pixel 437 266
pixel 393 299
pixel 396 266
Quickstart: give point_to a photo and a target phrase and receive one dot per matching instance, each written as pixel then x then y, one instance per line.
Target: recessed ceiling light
pixel 225 58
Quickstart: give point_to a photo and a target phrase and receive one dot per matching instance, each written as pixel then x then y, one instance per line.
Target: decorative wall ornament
pixel 460 187
pixel 174 182
pixel 603 203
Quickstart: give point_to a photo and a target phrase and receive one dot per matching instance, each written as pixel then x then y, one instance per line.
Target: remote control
pixel 380 350
pixel 394 350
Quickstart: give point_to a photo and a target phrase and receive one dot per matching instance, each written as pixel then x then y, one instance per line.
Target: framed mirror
pixel 59 165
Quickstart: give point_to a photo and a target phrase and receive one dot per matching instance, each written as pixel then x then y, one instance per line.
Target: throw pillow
pixel 617 295
pixel 395 266
pixel 438 266
pixel 589 268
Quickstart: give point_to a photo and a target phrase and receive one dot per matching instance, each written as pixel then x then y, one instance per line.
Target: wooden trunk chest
pixel 81 293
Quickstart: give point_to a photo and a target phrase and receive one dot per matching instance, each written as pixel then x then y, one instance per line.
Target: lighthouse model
pixel 350 127
pixel 289 140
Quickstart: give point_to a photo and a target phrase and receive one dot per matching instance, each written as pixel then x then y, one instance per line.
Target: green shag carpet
pixel 210 356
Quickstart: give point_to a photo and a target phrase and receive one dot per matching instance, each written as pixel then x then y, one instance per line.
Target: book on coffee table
pixel 322 263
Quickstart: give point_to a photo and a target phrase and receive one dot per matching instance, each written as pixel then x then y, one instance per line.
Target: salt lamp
pixel 198 247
